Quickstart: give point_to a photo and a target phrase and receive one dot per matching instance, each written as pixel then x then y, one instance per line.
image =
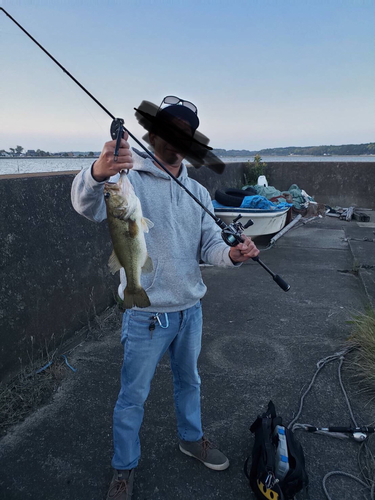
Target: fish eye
pixel 107 195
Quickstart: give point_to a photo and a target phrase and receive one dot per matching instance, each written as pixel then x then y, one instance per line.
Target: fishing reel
pixel 232 233
pixel 117 128
pixel 117 133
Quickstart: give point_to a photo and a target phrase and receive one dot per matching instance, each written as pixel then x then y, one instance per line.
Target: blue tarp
pixel 262 202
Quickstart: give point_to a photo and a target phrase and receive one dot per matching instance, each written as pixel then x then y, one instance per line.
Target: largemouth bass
pixel 127 227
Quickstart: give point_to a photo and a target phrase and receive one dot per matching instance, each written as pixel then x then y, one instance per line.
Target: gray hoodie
pixel 183 233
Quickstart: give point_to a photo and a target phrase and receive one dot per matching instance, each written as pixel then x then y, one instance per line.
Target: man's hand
pixel 243 251
pixel 105 166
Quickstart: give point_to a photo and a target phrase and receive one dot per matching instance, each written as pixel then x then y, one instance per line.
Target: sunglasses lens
pixel 171 100
pixel 190 105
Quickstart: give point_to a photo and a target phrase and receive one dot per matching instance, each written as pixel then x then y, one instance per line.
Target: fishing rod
pixel 347 430
pixel 231 233
pixel 359 434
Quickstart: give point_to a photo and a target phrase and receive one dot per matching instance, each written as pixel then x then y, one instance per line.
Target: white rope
pixel 369 482
pixel 339 473
pixel 320 364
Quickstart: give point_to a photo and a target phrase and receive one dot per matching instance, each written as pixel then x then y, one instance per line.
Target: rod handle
pixel 352 430
pixel 282 283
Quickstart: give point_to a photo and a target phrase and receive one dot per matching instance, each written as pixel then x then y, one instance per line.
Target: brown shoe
pixel 121 487
pixel 206 452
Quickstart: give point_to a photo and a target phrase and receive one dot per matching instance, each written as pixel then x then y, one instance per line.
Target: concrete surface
pixel 259 343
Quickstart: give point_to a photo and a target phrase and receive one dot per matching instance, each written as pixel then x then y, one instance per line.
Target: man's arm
pixel 87 189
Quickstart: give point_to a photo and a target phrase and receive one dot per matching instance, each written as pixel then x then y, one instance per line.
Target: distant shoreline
pixel 301 156
pixel 48 157
pixel 229 156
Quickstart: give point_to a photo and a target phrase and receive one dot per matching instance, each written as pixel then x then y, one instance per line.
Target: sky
pixel 263 73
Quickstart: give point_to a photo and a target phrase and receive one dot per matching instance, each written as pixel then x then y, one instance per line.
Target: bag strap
pixel 246 468
pixel 271 411
pixel 269 457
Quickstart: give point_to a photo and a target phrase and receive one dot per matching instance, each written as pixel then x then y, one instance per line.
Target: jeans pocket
pixel 140 325
pixel 140 317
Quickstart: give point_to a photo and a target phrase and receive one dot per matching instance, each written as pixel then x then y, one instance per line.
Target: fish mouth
pixel 111 186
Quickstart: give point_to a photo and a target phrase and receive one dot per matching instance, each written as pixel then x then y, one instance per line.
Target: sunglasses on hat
pixel 171 99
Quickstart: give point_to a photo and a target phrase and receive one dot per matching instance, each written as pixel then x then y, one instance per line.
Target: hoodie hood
pixel 143 162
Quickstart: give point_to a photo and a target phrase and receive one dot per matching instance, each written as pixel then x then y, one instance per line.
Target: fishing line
pixel 111 115
pixel 232 233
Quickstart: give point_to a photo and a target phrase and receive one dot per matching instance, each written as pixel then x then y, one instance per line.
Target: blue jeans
pixel 143 349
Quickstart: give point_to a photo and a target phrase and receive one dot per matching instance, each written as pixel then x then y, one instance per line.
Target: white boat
pixel 265 221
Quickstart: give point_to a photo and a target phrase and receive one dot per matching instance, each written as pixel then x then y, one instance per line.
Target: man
pixel 182 235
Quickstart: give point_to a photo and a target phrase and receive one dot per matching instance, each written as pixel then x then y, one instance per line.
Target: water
pixel 34 165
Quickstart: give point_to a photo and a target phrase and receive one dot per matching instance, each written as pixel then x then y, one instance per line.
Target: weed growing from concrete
pixel 363 341
pixel 37 381
pixel 28 391
pixel 356 267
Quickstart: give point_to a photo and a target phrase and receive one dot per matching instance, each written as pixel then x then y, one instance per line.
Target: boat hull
pixel 265 221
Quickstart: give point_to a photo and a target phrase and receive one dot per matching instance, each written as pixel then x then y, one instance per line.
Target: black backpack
pixel 265 464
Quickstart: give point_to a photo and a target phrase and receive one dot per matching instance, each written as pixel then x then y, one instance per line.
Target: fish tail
pixel 137 297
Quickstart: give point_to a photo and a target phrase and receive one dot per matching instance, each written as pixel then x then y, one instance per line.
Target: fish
pixel 127 228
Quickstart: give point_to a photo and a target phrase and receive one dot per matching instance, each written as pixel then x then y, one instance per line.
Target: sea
pixel 9 166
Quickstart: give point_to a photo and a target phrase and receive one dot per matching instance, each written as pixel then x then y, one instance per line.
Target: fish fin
pixel 148 265
pixel 114 264
pixel 146 224
pixel 138 298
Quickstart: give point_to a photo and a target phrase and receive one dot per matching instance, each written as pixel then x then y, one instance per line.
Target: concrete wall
pixel 232 177
pixel 331 183
pixel 52 260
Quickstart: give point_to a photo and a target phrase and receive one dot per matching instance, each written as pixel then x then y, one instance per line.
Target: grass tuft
pixel 36 382
pixel 362 340
pixel 27 392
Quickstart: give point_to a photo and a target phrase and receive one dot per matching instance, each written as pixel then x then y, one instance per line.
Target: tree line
pixel 19 151
pixel 346 149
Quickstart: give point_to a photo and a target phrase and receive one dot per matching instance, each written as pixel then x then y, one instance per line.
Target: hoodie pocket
pixel 176 282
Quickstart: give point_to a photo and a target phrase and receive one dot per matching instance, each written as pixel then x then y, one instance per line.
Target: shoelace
pixel 120 486
pixel 206 445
